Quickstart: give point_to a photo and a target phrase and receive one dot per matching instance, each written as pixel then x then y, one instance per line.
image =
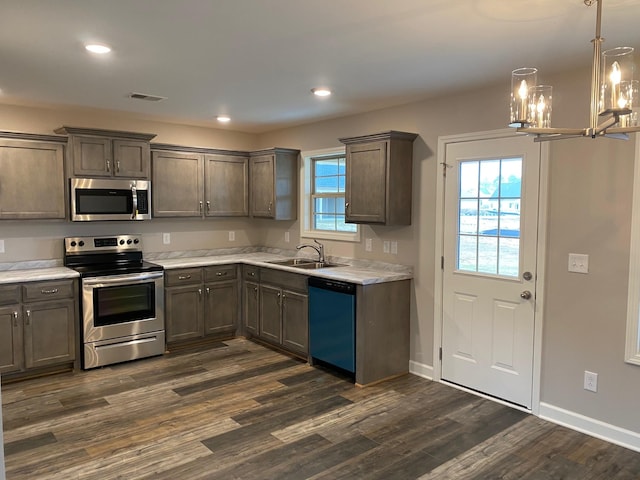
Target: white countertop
pixel 360 272
pixel 363 275
pixel 36 274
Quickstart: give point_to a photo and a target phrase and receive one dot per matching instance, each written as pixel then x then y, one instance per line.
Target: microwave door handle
pixel 134 213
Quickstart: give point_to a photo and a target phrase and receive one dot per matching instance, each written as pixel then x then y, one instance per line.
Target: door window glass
pixel 489 199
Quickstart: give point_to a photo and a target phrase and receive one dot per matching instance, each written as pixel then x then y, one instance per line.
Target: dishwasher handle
pixel 333 285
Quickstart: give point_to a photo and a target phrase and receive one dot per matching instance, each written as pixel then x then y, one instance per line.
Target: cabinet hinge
pixel 440 354
pixel 442 263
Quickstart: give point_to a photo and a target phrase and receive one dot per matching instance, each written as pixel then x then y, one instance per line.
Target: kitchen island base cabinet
pixel 382 331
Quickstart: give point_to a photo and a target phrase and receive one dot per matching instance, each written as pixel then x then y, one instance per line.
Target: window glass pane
pixel 324 222
pixel 511 178
pixel 469 179
pixel 324 205
pixel 467 253
pixel 488 217
pixel 326 168
pixel 488 255
pixel 340 202
pixel 326 184
pixel 509 257
pixel 510 218
pixel 468 221
pixel 489 178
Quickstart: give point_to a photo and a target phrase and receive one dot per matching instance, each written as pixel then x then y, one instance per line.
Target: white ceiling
pixel 256 60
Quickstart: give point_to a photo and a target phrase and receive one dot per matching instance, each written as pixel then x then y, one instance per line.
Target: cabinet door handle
pixel 200 206
pixel 15 319
pixel 118 166
pixel 221 274
pixel 208 290
pixel 346 205
pixel 252 274
pixel 49 292
pixel 208 206
pixel 28 320
pixel 184 277
pixel 200 292
pixel 255 290
pixel 108 164
pixel 270 205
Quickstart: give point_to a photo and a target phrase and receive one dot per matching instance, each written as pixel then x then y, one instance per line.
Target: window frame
pixel 306 198
pixel 632 347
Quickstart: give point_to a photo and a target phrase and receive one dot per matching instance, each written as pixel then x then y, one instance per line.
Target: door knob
pixel 525 295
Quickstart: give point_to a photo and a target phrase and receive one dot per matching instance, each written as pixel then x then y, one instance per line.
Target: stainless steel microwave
pixel 94 199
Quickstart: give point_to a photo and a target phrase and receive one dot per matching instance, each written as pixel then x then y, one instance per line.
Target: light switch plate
pixel 166 238
pixel 368 244
pixel 232 236
pixel 1 246
pixel 385 246
pixel 287 237
pixel 394 247
pixel 578 263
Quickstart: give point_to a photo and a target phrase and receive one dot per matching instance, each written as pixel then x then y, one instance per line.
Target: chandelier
pixel 614 96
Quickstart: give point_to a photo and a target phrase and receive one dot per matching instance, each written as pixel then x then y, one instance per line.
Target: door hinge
pixel 440 354
pixel 442 263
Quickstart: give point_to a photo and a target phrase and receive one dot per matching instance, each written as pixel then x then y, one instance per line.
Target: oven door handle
pixel 121 279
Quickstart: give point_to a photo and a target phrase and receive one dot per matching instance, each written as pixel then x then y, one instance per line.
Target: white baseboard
pixel 590 426
pixel 421 370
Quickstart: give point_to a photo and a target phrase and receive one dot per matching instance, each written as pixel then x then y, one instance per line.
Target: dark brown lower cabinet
pixel 37 325
pixel 201 302
pixel 283 317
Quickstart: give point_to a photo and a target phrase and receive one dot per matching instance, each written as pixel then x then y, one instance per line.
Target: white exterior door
pixel 489 266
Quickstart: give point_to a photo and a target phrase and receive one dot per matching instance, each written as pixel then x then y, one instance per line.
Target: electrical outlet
pixel 394 248
pixel 166 238
pixel 232 236
pixel 385 246
pixel 590 381
pixel 1 246
pixel 578 263
pixel 287 237
pixel 368 244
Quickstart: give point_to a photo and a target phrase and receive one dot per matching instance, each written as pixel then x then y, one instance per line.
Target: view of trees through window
pixel 489 216
pixel 327 197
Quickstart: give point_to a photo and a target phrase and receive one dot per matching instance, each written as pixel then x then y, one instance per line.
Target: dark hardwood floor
pixel 238 410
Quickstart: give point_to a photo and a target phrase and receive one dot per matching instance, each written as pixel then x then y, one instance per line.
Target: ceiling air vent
pixel 144 96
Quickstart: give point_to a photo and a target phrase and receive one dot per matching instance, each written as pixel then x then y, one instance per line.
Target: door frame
pixel 438 315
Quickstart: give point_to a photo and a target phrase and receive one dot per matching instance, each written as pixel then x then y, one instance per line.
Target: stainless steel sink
pixel 304 263
pixel 316 265
pixel 293 262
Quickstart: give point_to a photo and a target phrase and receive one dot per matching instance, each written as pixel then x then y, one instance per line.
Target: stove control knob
pixel 73 243
pixel 129 242
pixel 121 242
pixel 81 243
pixel 136 241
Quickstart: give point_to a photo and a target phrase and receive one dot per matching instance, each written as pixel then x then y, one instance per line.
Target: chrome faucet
pixel 319 248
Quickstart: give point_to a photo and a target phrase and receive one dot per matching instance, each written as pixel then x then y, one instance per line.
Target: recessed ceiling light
pixel 97 48
pixel 321 92
pixel 223 118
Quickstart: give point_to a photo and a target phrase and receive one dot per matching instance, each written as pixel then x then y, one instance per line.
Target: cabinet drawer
pixel 182 276
pixel 9 294
pixel 249 272
pixel 282 279
pixel 39 291
pixel 220 272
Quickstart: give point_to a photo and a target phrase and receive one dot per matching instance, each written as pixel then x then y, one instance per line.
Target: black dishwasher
pixel 332 322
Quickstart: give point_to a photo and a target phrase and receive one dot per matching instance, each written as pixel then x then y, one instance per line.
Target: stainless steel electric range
pixel 121 298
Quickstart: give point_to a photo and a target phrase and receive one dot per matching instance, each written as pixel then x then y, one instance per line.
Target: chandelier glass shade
pixel 614 96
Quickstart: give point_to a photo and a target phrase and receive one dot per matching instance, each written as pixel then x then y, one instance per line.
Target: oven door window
pixel 123 303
